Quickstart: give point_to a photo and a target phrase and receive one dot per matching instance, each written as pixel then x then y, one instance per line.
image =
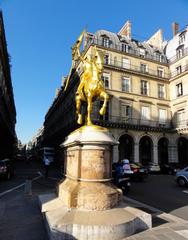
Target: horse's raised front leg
pixel 89 109
pixel 105 96
pixel 78 105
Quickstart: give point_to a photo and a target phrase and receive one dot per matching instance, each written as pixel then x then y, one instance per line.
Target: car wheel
pixel 181 182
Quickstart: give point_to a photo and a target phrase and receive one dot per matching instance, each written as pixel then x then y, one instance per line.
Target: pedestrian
pixel 126 167
pixel 46 164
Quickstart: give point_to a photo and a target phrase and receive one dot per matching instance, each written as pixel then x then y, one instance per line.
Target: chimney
pixel 126 30
pixel 175 28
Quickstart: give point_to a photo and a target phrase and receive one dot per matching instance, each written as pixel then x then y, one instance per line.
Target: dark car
pixel 19 157
pixel 6 168
pixel 139 171
pixel 169 168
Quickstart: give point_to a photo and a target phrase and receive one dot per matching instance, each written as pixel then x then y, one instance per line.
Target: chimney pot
pixel 175 28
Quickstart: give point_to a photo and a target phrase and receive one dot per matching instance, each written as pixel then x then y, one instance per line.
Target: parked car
pixel 19 157
pixel 182 177
pixel 169 168
pixel 6 168
pixel 139 171
pixel 153 167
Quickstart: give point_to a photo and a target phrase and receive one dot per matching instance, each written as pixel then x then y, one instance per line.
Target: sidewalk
pixel 164 226
pixel 20 216
pixel 21 219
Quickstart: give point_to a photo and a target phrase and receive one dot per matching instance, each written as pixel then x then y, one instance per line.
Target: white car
pixel 182 177
pixel 153 167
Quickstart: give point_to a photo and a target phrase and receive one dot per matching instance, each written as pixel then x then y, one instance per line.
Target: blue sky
pixel 40 34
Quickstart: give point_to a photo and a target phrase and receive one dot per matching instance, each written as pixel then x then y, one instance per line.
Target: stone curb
pixel 167 216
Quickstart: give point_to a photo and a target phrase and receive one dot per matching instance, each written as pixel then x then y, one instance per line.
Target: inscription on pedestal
pixel 95 164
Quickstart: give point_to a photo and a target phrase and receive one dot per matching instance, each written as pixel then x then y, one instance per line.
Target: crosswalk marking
pixel 183 233
pixel 19 186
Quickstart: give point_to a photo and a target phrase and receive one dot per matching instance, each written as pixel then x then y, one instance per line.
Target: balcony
pixel 179 71
pixel 118 121
pixel 177 57
pixel 136 69
pixel 130 51
pixel 180 124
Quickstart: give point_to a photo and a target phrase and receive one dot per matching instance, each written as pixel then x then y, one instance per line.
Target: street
pixel 159 191
pixel 162 192
pixel 19 211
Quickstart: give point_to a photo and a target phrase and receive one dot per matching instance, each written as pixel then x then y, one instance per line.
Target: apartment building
pixel 146 82
pixel 7 106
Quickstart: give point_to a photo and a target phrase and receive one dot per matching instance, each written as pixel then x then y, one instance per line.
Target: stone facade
pixel 147 85
pixel 7 106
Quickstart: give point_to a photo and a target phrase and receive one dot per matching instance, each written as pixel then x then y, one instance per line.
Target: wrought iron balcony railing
pixel 137 69
pixel 118 47
pixel 132 121
pixel 177 56
pixel 180 124
pixel 179 70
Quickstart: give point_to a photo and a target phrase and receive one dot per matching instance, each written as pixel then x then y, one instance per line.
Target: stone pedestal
pixel 88 170
pixel 88 205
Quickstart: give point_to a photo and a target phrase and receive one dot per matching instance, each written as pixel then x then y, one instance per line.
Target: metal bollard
pixel 28 186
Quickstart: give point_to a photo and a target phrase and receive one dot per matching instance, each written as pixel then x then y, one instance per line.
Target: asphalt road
pixel 162 192
pixel 159 191
pixel 32 170
pixel 20 215
pixel 22 172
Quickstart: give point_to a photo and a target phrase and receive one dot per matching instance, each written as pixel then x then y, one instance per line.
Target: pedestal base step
pixel 114 224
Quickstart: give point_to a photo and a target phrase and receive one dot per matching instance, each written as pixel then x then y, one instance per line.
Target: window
pixel 161 91
pixel 126 111
pixel 106 59
pixel 142 52
pixel 180 116
pixel 124 47
pixel 143 68
pixel 105 42
pixel 145 114
pixel 160 72
pixel 159 57
pixel 179 89
pixel 180 52
pixel 125 84
pixel 115 61
pixel 181 38
pixel 106 79
pixel 125 63
pixel 144 87
pixel 179 69
pixel 162 116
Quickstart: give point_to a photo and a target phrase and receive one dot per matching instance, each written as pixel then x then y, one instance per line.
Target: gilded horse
pixel 91 85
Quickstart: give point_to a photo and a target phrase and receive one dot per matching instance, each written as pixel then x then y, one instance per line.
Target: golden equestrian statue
pixel 91 85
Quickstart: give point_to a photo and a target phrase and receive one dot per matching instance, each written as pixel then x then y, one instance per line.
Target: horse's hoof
pixel 102 111
pixel 79 120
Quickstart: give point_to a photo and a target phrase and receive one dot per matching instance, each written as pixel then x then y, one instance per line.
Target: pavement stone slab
pixel 175 236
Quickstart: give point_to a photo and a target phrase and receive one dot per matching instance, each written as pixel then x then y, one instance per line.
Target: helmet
pixel 125 161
